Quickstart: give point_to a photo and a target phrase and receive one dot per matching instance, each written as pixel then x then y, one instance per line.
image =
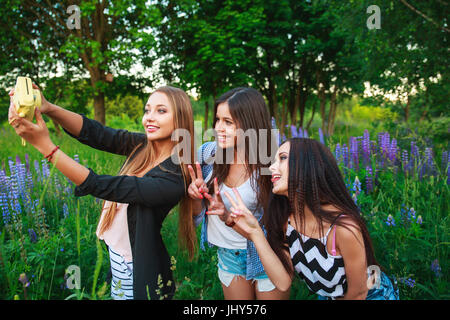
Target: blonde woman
pixel 149 184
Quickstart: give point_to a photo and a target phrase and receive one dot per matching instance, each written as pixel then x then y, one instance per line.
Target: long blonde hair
pixel 138 163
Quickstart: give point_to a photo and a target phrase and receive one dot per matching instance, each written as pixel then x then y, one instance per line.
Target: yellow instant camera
pixel 26 99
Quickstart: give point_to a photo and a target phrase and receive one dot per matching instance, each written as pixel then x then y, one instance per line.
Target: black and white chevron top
pixel 323 273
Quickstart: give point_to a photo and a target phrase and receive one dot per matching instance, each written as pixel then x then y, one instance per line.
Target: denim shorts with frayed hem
pixel 387 290
pixel 233 262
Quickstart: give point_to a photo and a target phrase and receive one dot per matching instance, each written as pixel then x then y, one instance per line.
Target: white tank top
pixel 223 236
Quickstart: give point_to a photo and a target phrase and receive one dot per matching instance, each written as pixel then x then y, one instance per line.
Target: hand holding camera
pixel 27 102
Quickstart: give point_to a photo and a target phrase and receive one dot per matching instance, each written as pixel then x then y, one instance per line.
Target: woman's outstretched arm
pixel 153 190
pixel 71 121
pixel 247 225
pixel 91 132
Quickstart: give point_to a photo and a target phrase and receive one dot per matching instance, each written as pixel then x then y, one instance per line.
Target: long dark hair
pixel 314 181
pixel 249 110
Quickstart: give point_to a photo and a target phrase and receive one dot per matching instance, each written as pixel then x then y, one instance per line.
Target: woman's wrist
pixel 257 234
pixel 46 148
pixel 49 108
pixel 225 217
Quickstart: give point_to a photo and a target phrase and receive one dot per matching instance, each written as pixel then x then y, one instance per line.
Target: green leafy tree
pixel 112 37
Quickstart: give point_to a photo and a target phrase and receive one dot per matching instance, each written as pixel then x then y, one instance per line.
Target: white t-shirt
pixel 221 235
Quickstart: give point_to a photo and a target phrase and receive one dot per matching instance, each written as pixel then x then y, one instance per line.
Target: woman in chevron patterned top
pixel 310 196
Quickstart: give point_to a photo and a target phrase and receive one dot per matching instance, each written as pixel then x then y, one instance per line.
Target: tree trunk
pixel 322 98
pixel 312 116
pixel 273 104
pixel 283 115
pixel 97 75
pixel 302 105
pixel 408 103
pixel 295 102
pixel 99 107
pixel 332 112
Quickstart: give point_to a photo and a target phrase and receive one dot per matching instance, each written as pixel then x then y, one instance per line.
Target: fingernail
pixel 207 212
pixel 201 197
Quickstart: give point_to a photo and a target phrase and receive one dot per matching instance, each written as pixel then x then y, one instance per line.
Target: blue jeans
pixel 388 290
pixel 233 263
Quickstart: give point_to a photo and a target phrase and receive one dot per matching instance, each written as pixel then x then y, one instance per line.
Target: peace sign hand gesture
pixel 216 205
pixel 198 185
pixel 246 222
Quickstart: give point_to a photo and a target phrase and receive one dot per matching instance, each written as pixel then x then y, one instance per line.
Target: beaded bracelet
pixel 49 157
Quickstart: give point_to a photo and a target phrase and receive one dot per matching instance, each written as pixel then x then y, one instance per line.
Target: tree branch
pixel 424 16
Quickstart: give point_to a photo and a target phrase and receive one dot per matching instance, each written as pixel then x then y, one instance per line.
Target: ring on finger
pixel 12 121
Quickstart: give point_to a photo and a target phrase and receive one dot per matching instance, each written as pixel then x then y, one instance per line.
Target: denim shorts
pixel 233 262
pixel 387 290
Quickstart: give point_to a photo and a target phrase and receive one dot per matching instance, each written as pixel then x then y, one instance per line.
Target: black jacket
pixel 150 199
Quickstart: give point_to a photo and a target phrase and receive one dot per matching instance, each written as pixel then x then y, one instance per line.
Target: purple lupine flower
pixel 305 134
pixel 419 220
pixel 37 170
pixel 27 162
pixel 369 180
pixel 373 147
pixel 422 170
pixel 301 133
pixel 5 208
pixel 17 208
pixel 436 268
pixel 321 136
pixel 283 138
pixel 414 153
pixel 68 190
pixel 385 144
pixel 45 169
pixel 405 160
pixel 355 198
pixel 393 150
pixel 444 161
pixel 65 210
pixel 12 167
pixel 30 184
pixel 32 234
pixel 345 154
pixel 409 282
pixel 411 214
pixel 27 202
pixel 390 220
pixel 294 133
pixel 429 160
pixel 448 176
pixel 3 183
pixel 356 186
pixel 14 187
pixel 354 159
pixel 337 153
pixel 366 146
